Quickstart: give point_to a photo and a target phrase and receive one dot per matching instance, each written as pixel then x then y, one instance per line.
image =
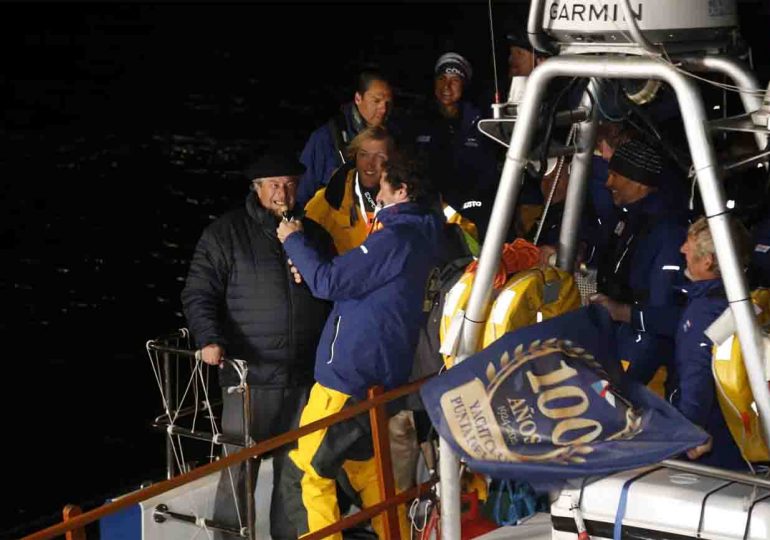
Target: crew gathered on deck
pixel 264 277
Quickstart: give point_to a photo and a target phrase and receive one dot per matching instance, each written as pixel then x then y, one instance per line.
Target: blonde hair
pixel 371 133
pixel 704 243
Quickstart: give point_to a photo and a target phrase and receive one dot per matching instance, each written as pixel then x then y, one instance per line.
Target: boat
pixel 653 40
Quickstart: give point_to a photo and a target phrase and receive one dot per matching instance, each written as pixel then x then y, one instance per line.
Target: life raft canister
pixel 734 390
pixel 454 310
pixel 515 257
pixel 530 297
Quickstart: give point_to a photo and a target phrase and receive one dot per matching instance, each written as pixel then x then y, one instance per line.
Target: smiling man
pixel 642 264
pixel 694 393
pixel 240 299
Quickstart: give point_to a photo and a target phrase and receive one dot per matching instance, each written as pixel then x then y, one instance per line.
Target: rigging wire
pixel 729 87
pixel 666 59
pixel 557 176
pixel 494 59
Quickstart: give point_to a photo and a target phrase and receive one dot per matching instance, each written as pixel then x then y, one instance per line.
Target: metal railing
pixel 75 522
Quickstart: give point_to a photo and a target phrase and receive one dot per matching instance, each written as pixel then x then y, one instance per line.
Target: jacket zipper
pixel 289 282
pixel 334 339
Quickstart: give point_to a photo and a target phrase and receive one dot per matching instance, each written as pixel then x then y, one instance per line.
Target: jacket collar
pixel 259 214
pixel 338 184
pixel 704 287
pixel 465 116
pixel 353 120
pixel 392 214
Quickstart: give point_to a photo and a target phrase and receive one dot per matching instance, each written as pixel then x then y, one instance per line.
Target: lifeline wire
pixel 156 371
pixel 560 163
pixel 494 60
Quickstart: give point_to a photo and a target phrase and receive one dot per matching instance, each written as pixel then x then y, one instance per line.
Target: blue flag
pixel 549 402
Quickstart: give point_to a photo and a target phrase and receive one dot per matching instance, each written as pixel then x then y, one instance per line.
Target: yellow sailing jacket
pixel 334 208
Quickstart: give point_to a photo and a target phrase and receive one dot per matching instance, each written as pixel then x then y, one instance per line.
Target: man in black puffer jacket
pixel 241 297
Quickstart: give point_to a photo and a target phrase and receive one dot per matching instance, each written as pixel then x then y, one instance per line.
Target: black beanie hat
pixel 638 161
pixel 274 163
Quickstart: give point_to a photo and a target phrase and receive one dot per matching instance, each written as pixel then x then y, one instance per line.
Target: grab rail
pixel 376 400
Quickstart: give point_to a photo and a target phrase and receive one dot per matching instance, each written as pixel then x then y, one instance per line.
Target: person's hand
pixel 698 451
pixel 547 256
pixel 288 227
pixel 618 311
pixel 212 354
pixel 294 272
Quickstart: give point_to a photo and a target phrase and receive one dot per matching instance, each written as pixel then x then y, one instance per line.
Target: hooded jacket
pixel 694 392
pixel 378 290
pixel 335 209
pixel 239 294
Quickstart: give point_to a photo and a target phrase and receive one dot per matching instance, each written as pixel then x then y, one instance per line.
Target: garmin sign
pixel 661 21
pixel 591 11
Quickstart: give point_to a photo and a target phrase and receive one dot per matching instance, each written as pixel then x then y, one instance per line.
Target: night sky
pixel 123 133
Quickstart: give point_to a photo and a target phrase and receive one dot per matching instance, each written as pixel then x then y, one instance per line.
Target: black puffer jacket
pixel 239 294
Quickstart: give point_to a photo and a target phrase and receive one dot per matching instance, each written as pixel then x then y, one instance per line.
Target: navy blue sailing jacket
pixel 320 155
pixel 695 393
pixel 378 290
pixel 642 267
pixel 759 267
pixel 462 162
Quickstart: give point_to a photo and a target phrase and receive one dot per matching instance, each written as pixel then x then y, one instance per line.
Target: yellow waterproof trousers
pixel 310 490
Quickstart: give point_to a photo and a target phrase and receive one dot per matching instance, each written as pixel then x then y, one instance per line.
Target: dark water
pixel 123 131
pixel 122 137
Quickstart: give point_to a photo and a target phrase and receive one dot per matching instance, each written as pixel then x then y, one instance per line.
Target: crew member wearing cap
pixel 642 264
pixel 461 162
pixel 324 151
pixel 241 300
pixel 522 58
